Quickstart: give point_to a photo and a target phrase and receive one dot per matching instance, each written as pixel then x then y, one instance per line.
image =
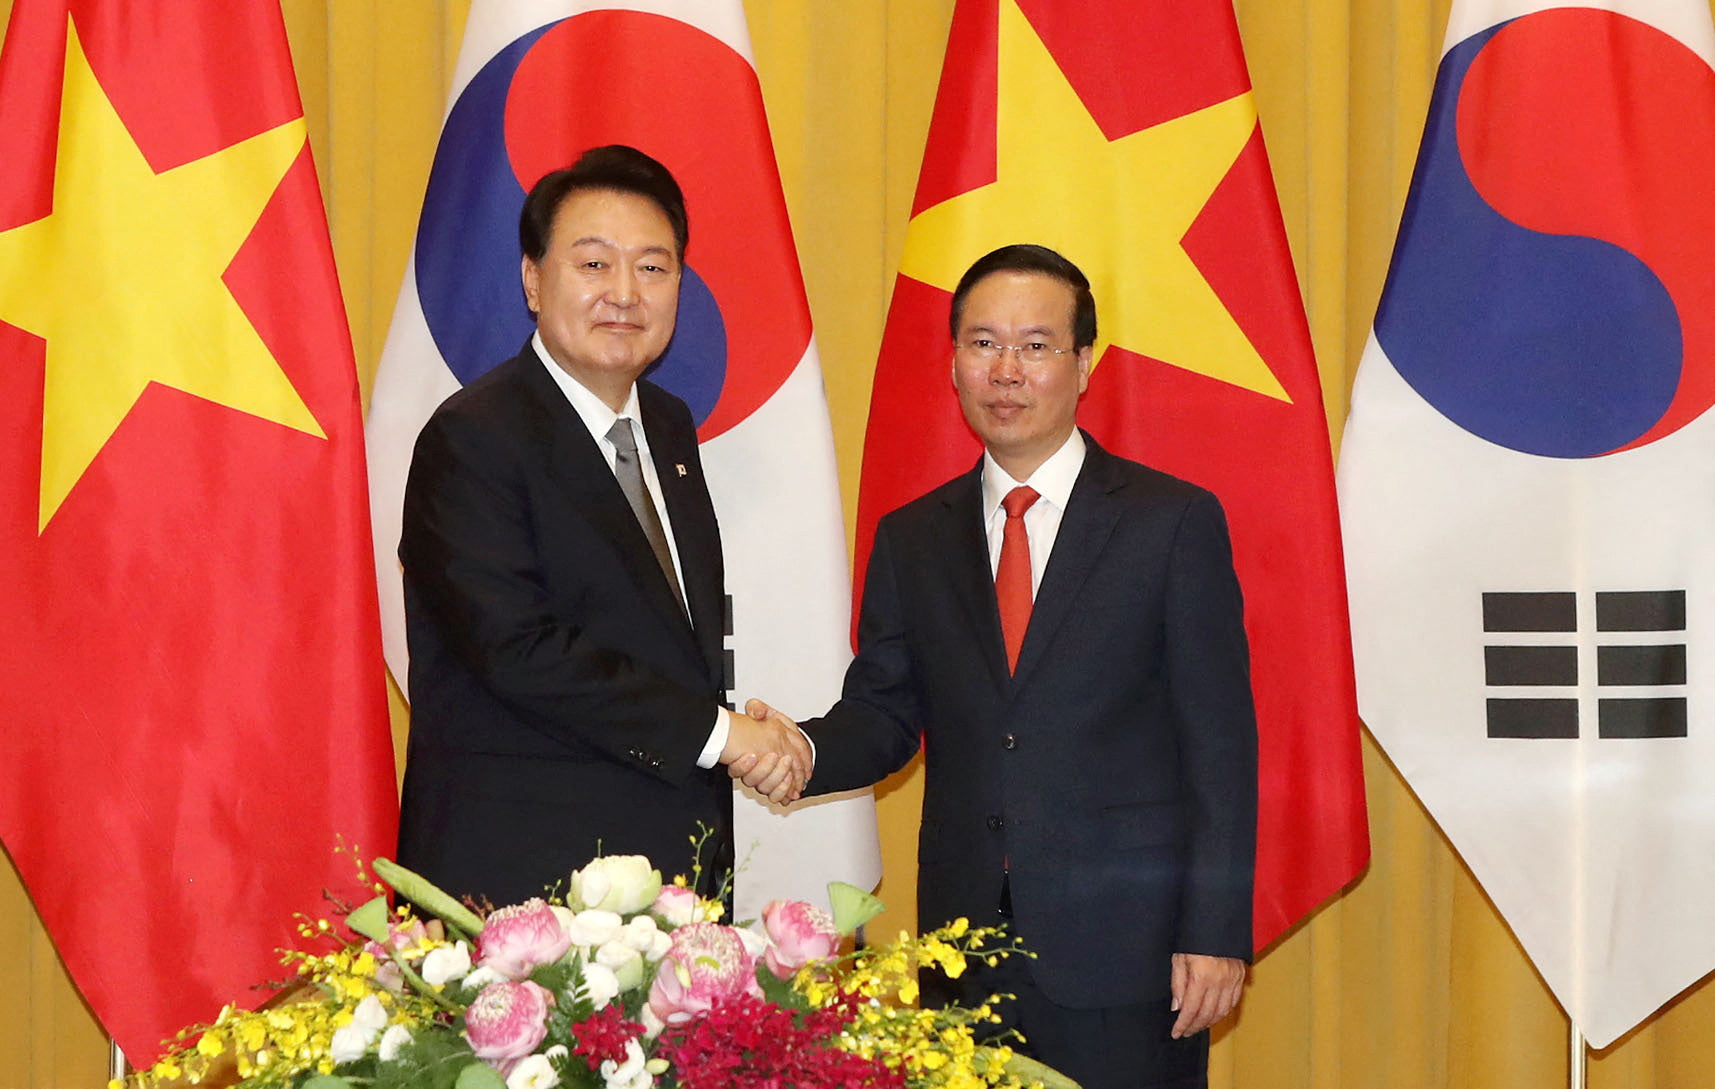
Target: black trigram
pixel 729 676
pixel 1640 644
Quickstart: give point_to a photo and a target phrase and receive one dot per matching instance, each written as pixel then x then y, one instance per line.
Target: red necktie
pixel 1012 574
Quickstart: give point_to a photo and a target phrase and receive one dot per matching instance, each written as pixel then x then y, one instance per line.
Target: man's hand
pixel 1205 989
pixel 768 752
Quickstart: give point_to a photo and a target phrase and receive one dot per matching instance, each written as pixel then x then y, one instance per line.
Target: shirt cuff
pixel 717 740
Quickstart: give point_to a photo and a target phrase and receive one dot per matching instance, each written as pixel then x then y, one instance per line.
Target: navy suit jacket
pixel 559 695
pixel 1115 773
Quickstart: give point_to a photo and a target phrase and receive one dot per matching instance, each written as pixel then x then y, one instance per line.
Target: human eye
pixel 983 346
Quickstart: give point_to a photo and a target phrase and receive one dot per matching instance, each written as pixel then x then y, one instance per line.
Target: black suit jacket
pixel 1115 773
pixel 559 696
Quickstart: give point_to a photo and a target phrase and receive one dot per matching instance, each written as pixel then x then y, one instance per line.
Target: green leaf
pixel 556 977
pixel 423 892
pixel 432 1060
pixel 853 907
pixel 327 1081
pixel 479 1075
pixel 778 991
pixel 370 920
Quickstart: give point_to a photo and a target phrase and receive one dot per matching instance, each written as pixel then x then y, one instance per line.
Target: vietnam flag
pixel 192 706
pixel 1124 135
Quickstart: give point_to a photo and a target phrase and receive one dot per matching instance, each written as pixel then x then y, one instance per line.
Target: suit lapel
pixel 1090 517
pixel 577 464
pixel 968 573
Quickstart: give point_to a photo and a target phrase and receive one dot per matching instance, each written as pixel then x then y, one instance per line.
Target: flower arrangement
pixel 622 983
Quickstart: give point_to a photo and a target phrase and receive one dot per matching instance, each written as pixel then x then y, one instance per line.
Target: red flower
pixel 749 1043
pixel 604 1035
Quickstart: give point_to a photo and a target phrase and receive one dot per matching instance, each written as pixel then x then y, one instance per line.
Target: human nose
pixel 1006 370
pixel 622 287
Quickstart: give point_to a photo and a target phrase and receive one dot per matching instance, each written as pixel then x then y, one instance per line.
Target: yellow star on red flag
pixel 123 280
pixel 1117 208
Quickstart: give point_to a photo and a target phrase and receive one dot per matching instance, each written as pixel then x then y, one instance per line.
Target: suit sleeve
pixel 1209 681
pixel 876 727
pixel 470 553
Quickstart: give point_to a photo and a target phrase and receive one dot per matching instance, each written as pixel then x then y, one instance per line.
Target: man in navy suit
pixel 564 594
pixel 1062 631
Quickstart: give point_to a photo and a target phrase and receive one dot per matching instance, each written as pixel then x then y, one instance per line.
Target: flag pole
pixel 115 1061
pixel 1576 1058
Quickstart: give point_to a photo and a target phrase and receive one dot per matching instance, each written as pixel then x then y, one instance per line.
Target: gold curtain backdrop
pixel 1410 980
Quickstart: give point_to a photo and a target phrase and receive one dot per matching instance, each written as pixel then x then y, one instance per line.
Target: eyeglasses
pixel 989 351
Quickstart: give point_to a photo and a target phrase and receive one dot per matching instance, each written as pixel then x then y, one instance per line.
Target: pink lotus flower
pixel 707 964
pixel 676 905
pixel 401 939
pixel 799 933
pixel 507 1021
pixel 517 939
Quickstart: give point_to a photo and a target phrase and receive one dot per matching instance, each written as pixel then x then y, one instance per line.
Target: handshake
pixel 768 753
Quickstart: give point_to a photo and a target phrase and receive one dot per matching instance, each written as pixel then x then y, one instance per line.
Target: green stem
pixel 422 986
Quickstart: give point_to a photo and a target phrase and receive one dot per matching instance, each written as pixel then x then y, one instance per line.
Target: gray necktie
pixel 629 470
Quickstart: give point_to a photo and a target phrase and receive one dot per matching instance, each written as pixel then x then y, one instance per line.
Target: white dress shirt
pixel 599 418
pixel 1053 481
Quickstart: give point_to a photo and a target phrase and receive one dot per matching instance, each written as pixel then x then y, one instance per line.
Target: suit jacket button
pixel 995 822
pixel 1009 742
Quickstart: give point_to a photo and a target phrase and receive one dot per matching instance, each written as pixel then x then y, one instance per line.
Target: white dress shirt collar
pixel 1053 479
pixel 591 409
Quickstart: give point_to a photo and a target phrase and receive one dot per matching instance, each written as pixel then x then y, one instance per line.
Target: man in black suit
pixel 563 580
pixel 1063 630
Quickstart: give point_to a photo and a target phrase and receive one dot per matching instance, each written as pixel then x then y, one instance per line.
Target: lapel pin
pixel 679 466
